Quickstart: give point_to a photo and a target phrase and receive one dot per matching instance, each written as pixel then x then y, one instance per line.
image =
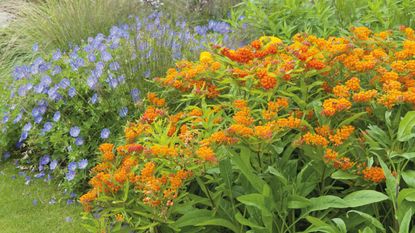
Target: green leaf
pixel 326 202
pixel 298 202
pixel 372 220
pixel 352 118
pixel 225 168
pixel 406 221
pixel 192 217
pixel 246 222
pixel 254 199
pixel 364 197
pixel 342 175
pixel 406 194
pixel 278 175
pixel 409 178
pixel 405 127
pixel 340 224
pixel 407 155
pixel 391 182
pixel 245 167
pixel 366 230
pixel 217 222
pixel 321 225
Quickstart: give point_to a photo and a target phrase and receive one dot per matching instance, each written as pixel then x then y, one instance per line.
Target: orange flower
pixel 206 153
pixel 364 96
pixel 119 218
pixel 290 122
pixel 263 131
pixel 362 33
pixel 241 130
pixel 315 139
pixel 331 106
pixel 148 170
pixel 353 84
pixel 268 82
pixel 330 155
pixel 121 176
pixel 341 91
pixel 343 163
pixel 163 150
pixel 89 196
pixel 108 156
pixel 341 135
pixel 324 130
pixel 243 117
pixel 222 138
pixel 316 64
pixel 106 148
pixel 374 174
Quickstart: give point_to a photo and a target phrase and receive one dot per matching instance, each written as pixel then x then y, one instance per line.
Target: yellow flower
pixel 206 57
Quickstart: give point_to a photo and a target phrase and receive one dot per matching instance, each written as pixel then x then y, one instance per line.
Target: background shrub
pixel 284 18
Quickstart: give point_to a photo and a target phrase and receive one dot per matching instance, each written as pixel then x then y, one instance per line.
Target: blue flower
pixel 147 74
pixel 74 131
pixel 79 141
pixel 56 116
pixel 40 175
pixel 135 94
pixel 53 164
pixel 72 166
pixel 92 57
pixel 56 70
pixel 121 79
pixel 42 109
pixel 39 88
pixel 56 55
pixel 38 119
pixel 123 112
pixel 105 56
pixel 35 47
pixel 82 163
pixel 18 118
pixel 44 160
pixel 94 98
pixel 114 66
pixel 68 219
pixel 113 82
pixel 5 119
pixel 6 155
pixel 70 201
pixel 92 81
pixel 27 127
pixel 23 136
pixel 27 180
pixel 72 92
pixel 34 202
pixel 105 133
pixel 35 111
pixel 46 80
pixel 70 175
pixel 64 83
pixel 47 127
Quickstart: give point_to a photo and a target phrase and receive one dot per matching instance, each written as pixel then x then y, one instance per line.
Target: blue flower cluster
pixel 66 104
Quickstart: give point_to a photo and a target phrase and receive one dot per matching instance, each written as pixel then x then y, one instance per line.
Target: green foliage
pixel 284 18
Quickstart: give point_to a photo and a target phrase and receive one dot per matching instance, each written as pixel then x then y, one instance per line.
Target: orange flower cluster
pixel 332 106
pixel 153 99
pixel 228 98
pixel 374 174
